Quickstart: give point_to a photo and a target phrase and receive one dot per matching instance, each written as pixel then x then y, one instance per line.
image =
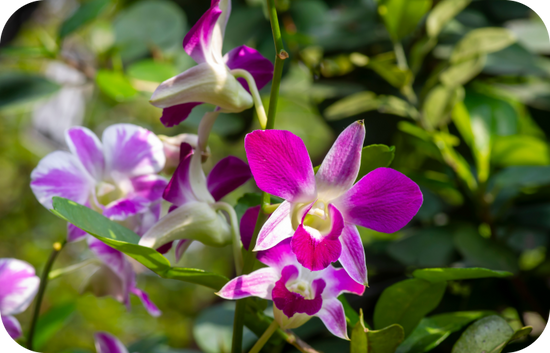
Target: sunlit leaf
pixel 461 73
pixel 352 105
pixel 385 340
pixel 481 41
pixel 115 85
pixel 358 342
pixel 407 302
pixel 150 70
pixel 455 160
pixel 84 14
pixel 439 103
pixel 390 72
pixel 453 274
pixel 517 150
pixel 442 13
pixel 402 16
pixel 375 156
pixel 489 334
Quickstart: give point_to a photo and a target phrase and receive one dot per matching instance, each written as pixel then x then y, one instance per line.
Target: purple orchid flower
pixel 107 343
pixel 117 177
pixel 193 197
pixel 297 293
pixel 321 211
pixel 212 80
pixel 18 286
pixel 116 277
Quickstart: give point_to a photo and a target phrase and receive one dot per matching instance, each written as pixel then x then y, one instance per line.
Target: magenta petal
pixel 291 303
pixel 18 286
pixel 339 169
pixel 248 223
pixel 353 254
pixel 197 42
pixel 61 174
pixel 84 144
pixel 227 175
pixel 339 281
pixel 277 228
pixel 12 326
pixel 122 209
pixel 106 343
pixel 181 247
pixel 165 248
pixel 384 200
pixel 278 256
pixel 333 316
pixel 147 303
pixel 74 233
pixel 150 186
pixel 251 60
pixel 179 190
pixel 176 114
pixel 259 284
pixel 314 250
pixel 280 164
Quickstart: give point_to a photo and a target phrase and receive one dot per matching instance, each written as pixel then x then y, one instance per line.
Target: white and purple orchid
pixel 216 80
pixel 297 293
pixel 116 176
pixel 116 277
pixel 107 343
pixel 321 211
pixel 194 214
pixel 18 286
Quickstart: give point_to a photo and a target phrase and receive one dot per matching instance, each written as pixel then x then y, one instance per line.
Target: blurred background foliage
pixel 460 89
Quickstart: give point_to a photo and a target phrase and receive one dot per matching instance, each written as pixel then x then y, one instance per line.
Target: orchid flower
pixel 216 80
pixel 18 286
pixel 321 211
pixel 116 176
pixel 172 151
pixel 297 293
pixel 107 343
pixel 116 277
pixel 195 212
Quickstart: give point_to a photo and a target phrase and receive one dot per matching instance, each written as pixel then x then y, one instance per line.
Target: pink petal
pixel 12 326
pixel 147 219
pixel 106 343
pixel 384 200
pixel 277 228
pixel 278 256
pixel 179 190
pixel 61 174
pixel 291 303
pixel 227 175
pixel 84 144
pixel 120 210
pixel 333 316
pixel 340 167
pixel 280 164
pixel 314 250
pixel 74 233
pixel 259 284
pixel 147 303
pixel 131 151
pixel 248 223
pixel 353 254
pixel 18 286
pixel 251 60
pixel 339 281
pixel 150 186
pixel 176 114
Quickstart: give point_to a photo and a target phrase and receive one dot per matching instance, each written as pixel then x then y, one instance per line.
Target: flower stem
pixel 260 110
pixel 265 337
pixel 63 271
pixel 235 233
pixel 57 246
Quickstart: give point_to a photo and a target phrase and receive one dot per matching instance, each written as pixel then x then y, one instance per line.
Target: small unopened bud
pixel 172 146
pixel 283 54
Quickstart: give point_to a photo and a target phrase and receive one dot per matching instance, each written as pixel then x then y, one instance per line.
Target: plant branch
pixel 258 104
pixel 265 337
pixel 235 233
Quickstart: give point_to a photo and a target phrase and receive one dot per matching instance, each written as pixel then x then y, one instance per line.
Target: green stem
pixel 400 56
pixel 63 271
pixel 269 209
pixel 265 337
pixel 235 233
pixel 250 256
pixel 57 246
pixel 260 111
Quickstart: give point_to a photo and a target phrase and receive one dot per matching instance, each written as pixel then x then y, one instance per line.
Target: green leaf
pixel 455 160
pixel 358 342
pixel 148 25
pixel 390 72
pixel 193 275
pixel 148 344
pixel 385 340
pixel 521 177
pixel 461 73
pixel 402 16
pixel 51 322
pixel 442 13
pixel 351 315
pixel 407 302
pixel 84 14
pixel 150 70
pixel 439 104
pixel 489 334
pixel 435 329
pixel 352 105
pixel 481 41
pixel 246 201
pixel 115 85
pixel 453 274
pixel 427 247
pixel 18 88
pixel 521 333
pixel 516 150
pixel 375 156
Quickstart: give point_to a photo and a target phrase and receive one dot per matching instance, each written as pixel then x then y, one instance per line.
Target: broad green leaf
pixel 352 105
pixel 435 329
pixel 517 150
pixel 375 156
pixel 18 88
pixel 397 106
pixel 193 275
pixel 115 85
pixel 461 119
pixel 51 322
pixel 439 104
pixel 461 73
pixel 453 274
pixel 407 302
pixel 483 131
pixel 481 41
pixel 385 340
pixel 390 72
pixel 442 13
pixel 489 334
pixel 454 159
pixel 84 14
pixel 150 70
pixel 402 16
pixel 427 247
pixel 520 177
pixel 246 201
pixel 148 25
pixel 358 342
pixel 521 333
pixel 351 315
pixel 531 33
